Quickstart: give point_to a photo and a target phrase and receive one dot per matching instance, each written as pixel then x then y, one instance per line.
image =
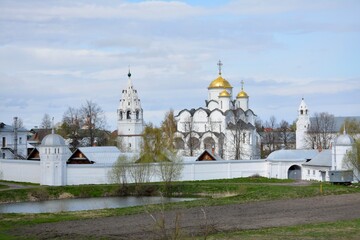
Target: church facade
pixel 225 125
pixel 130 122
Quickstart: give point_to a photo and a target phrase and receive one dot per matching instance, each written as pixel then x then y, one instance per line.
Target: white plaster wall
pixel 88 174
pixel 20 170
pixel 279 169
pixel 313 173
pixel 99 173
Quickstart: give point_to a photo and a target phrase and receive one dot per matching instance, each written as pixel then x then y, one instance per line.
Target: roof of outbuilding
pixel 9 128
pixel 284 154
pixel 321 159
pixel 108 154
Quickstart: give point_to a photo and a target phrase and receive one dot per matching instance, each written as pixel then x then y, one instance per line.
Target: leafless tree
pixel 94 119
pixel 321 131
pixel 46 121
pixel 171 170
pixel 71 126
pixel 284 132
pixel 270 133
pixel 193 143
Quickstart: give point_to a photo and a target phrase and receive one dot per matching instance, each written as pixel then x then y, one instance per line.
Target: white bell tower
pixel 130 123
pixel 302 125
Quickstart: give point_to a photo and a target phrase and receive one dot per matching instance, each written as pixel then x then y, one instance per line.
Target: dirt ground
pixel 196 221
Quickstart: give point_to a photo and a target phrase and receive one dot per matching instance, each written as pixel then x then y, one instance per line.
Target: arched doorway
pixel 294 172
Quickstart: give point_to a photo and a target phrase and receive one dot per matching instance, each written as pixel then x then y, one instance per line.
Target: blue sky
pixel 56 54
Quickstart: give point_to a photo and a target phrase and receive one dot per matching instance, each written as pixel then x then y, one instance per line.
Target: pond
pixel 79 204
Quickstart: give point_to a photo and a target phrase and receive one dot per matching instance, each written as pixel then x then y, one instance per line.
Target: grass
pixel 326 231
pixel 213 192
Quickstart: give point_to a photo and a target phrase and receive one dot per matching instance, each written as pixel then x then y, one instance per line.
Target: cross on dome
pixel 242 84
pixel 220 65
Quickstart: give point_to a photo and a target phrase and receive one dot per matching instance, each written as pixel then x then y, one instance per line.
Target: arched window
pixel 128 115
pixel 301 112
pixel 121 115
pixel 137 114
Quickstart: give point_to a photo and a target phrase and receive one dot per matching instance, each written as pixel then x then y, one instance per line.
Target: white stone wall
pixel 20 170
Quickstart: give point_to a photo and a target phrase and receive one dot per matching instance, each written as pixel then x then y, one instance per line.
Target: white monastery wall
pixel 88 174
pixel 20 170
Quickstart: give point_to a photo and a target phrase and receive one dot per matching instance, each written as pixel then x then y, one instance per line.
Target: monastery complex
pixel 218 140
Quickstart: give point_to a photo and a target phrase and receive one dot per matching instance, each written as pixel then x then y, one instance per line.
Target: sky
pixel 57 54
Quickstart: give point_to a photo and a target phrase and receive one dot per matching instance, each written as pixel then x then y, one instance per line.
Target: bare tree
pixel 46 121
pixel 71 126
pixel 321 131
pixel 193 142
pixel 170 171
pixel 119 171
pixel 94 119
pixel 269 133
pixel 237 130
pixel 284 132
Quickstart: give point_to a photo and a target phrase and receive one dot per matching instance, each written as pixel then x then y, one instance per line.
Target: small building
pixel 91 155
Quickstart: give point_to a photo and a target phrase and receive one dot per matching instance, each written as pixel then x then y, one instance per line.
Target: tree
pixel 284 132
pixel 46 121
pixel 320 133
pixel 168 127
pixel 352 159
pixel 237 134
pixel 270 133
pixel 171 170
pixel 193 143
pixel 71 126
pixel 352 127
pixel 94 120
pixel 154 145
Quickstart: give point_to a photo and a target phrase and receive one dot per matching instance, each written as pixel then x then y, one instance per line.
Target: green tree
pixel 352 127
pixel 352 159
pixel 168 127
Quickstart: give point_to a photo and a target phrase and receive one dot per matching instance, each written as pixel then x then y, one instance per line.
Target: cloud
pixel 149 10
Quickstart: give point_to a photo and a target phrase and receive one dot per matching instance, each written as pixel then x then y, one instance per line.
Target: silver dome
pixel 53 140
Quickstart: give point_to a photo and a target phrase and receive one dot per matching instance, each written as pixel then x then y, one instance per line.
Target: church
pixel 225 125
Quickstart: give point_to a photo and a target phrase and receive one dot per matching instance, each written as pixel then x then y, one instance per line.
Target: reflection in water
pixel 79 204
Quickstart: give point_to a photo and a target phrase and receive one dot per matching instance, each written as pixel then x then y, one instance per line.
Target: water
pixel 64 205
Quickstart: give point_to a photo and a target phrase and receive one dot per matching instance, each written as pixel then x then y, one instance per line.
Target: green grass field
pixel 212 192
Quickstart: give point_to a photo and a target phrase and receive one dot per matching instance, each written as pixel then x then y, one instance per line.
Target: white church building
pixel 225 125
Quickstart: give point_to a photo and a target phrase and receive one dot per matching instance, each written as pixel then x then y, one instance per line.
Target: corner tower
pixel 302 125
pixel 130 123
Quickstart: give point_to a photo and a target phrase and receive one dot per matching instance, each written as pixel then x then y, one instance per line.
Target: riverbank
pixel 226 192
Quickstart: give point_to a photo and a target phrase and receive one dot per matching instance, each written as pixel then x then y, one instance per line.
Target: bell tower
pixel 130 123
pixel 302 125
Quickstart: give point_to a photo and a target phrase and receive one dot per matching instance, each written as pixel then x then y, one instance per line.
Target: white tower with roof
pixel 130 123
pixel 302 125
pixel 54 154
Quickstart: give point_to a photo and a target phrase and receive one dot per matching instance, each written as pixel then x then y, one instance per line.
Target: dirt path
pixel 218 218
pixel 12 186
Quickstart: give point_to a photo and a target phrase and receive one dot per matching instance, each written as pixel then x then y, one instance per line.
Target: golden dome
pixel 219 82
pixel 242 94
pixel 224 93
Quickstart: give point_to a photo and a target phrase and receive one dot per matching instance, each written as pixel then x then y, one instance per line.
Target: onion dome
pixel 242 93
pixel 224 93
pixel 219 82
